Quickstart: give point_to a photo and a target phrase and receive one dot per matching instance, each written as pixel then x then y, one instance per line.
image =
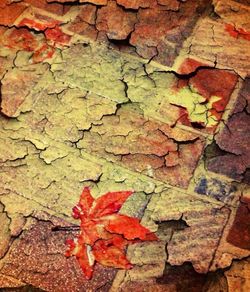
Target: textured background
pixel 149 95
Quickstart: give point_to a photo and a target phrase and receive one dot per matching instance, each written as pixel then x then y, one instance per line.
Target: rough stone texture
pixel 150 29
pixel 97 2
pixel 15 86
pixel 239 234
pixel 115 22
pixel 84 23
pixel 190 102
pixel 145 146
pixel 234 141
pixel 212 41
pixel 233 13
pixel 160 30
pixel 5 235
pixel 217 189
pixel 134 4
pixel 55 8
pixel 150 96
pixel 38 257
pixel 9 13
pixel 238 276
pixel 198 216
pixel 201 99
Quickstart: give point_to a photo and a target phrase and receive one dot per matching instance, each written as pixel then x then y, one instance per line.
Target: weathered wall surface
pixel 151 96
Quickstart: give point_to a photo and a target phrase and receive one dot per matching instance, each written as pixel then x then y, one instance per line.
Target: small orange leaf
pixel 104 234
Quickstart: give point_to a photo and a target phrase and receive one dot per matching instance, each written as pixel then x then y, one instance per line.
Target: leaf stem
pixel 66 228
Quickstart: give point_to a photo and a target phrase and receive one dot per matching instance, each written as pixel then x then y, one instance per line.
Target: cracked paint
pixel 143 145
pixel 150 96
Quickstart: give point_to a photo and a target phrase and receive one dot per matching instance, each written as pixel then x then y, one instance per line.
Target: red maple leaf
pixel 104 234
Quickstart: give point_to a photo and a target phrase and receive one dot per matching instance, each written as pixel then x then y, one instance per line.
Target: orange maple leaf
pixel 104 234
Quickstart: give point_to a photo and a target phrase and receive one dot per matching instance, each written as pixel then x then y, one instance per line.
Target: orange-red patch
pixel 23 39
pixel 40 26
pixel 237 32
pixel 57 36
pixel 43 53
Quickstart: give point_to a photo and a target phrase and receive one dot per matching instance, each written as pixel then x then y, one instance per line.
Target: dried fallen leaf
pixel 104 234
